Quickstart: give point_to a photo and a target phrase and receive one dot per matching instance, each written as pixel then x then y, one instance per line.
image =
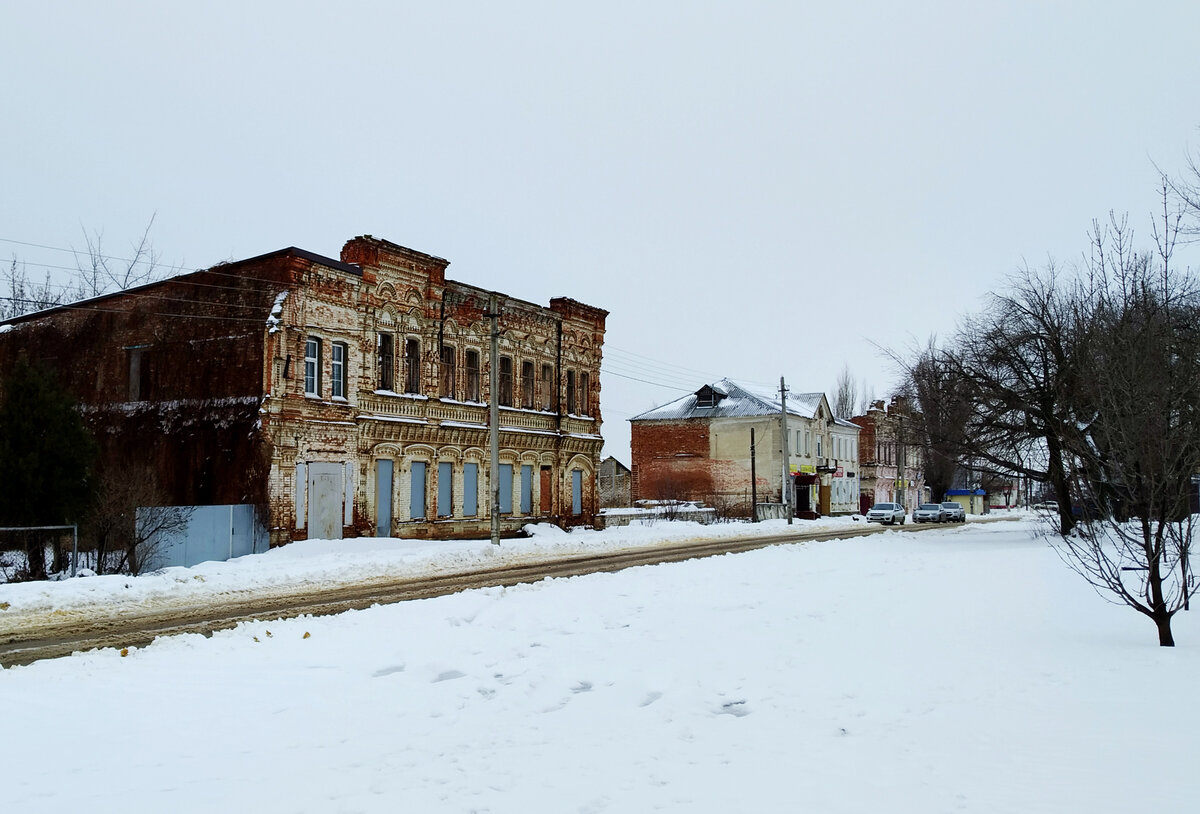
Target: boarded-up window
pixel 506 488
pixel 139 374
pixel 472 393
pixel 585 407
pixel 576 491
pixel 526 489
pixel 448 372
pixel 445 497
pixel 470 490
pixel 527 383
pixel 383 497
pixel 570 392
pixel 416 508
pixel 547 387
pixel 387 361
pixel 412 366
pixel 506 381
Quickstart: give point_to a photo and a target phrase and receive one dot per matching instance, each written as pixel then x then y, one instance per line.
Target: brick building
pixel 339 397
pixel 698 448
pixel 891 470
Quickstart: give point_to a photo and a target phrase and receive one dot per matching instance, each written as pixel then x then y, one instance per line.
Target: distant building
pixel 339 397
pixel 614 483
pixel 698 447
pixel 892 470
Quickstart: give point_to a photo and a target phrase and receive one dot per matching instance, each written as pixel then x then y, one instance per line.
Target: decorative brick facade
pixel 305 385
pixel 891 470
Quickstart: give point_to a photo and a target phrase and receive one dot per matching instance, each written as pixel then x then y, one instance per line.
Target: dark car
pixel 929 513
pixel 953 512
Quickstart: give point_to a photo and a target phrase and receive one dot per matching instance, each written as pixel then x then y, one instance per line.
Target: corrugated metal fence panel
pixel 211 533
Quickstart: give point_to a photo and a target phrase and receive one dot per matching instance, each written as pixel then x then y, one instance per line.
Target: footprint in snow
pixel 735 708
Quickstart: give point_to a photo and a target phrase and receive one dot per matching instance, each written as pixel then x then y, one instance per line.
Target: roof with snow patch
pixel 728 399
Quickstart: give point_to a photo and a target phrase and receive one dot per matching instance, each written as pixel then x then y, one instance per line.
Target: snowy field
pixel 959 669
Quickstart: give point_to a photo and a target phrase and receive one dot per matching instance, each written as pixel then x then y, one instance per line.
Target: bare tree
pixel 940 419
pixel 97 273
pixel 845 397
pixel 128 523
pixel 22 295
pixel 866 398
pixel 1140 404
pixel 100 273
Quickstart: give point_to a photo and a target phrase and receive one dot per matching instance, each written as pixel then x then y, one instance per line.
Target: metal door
pixel 325 495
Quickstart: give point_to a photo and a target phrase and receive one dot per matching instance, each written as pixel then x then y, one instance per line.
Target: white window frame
pixel 337 370
pixel 312 366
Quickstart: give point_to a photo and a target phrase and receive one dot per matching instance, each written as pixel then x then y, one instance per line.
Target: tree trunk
pixel 1062 490
pixel 1163 621
pixel 35 555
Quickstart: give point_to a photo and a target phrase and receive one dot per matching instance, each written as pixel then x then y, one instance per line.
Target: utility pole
pixel 753 482
pixel 787 469
pixel 494 417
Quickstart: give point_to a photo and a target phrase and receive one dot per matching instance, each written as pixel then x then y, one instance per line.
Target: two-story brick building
pixel 340 397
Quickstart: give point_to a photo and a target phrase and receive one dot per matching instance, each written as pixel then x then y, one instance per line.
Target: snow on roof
pixel 734 400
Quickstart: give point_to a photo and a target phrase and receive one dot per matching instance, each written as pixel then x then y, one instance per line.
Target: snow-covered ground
pixel 323 564
pixel 960 669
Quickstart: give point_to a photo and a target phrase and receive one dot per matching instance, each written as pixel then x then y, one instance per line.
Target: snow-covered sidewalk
pixel 313 565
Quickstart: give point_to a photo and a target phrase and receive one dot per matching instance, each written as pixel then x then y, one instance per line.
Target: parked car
pixel 1046 506
pixel 886 513
pixel 929 513
pixel 954 512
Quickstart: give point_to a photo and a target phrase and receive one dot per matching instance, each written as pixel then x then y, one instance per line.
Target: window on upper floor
pixel 584 394
pixel 312 366
pixel 412 366
pixel 337 370
pixel 506 381
pixel 570 392
pixel 472 363
pixel 139 373
pixel 547 387
pixel 527 383
pixel 448 372
pixel 385 346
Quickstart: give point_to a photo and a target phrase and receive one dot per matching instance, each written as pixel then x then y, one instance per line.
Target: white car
pixel 886 513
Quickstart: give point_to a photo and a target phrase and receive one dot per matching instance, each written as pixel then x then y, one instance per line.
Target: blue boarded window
pixel 526 489
pixel 445 506
pixel 576 491
pixel 470 490
pixel 417 502
pixel 506 480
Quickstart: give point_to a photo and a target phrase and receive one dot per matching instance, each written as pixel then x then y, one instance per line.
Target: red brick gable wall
pixel 670 460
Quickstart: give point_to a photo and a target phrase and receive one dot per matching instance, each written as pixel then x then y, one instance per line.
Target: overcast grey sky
pixel 753 189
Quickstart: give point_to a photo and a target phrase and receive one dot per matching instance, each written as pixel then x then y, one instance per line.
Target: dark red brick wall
pixel 670 460
pixel 202 337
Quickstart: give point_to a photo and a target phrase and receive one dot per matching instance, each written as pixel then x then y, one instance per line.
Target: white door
pixel 325 495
